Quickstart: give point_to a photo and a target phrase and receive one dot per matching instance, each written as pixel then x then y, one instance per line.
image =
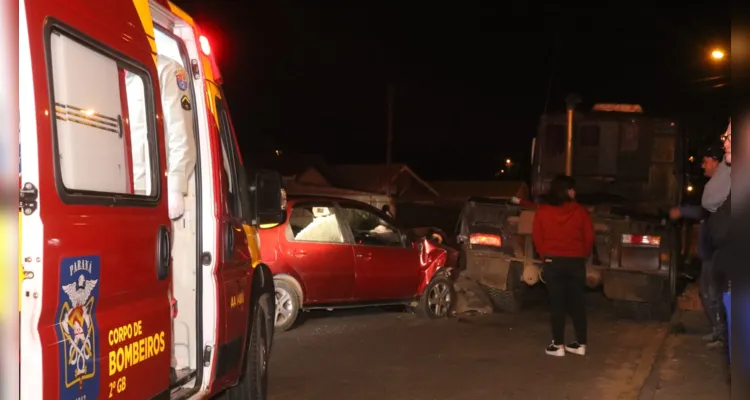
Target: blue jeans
pixel 711 300
pixel 727 297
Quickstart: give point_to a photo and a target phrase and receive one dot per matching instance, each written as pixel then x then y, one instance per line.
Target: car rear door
pixel 313 245
pixel 386 267
pixel 95 319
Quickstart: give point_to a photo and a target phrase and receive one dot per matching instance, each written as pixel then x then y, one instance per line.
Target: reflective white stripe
pixel 31 306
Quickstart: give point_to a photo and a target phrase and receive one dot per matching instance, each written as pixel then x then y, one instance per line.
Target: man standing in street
pixel 710 293
pixel 716 201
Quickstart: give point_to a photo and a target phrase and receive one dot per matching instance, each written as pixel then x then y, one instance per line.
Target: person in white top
pixel 178 127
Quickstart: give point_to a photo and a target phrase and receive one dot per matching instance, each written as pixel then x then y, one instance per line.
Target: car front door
pixel 386 267
pixel 314 246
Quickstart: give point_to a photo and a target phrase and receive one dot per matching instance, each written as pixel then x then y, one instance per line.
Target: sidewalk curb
pixel 653 381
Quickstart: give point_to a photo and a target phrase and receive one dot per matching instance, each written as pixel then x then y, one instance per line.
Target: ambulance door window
pixel 233 201
pixel 233 165
pixel 105 139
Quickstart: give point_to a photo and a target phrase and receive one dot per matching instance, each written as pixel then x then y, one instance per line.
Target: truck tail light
pixel 484 239
pixel 641 240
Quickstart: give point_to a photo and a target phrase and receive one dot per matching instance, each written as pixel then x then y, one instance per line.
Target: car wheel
pixel 438 298
pixel 287 305
pixel 253 384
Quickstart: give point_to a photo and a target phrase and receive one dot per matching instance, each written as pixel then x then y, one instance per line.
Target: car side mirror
pixel 268 198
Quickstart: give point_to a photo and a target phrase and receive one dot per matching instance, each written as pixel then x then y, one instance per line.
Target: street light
pixel 718 55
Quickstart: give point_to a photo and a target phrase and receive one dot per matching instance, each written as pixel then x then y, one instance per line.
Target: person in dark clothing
pixel 710 293
pixel 386 209
pixel 718 226
pixel 564 236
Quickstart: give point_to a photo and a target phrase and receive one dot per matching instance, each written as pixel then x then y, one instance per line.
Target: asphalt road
pixel 377 354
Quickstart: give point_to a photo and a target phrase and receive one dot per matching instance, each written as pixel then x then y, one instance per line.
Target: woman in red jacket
pixel 564 236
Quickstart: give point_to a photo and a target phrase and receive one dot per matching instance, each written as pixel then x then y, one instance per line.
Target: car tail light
pixel 641 240
pixel 484 239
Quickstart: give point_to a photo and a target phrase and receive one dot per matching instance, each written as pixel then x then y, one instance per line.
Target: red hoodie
pixel 563 231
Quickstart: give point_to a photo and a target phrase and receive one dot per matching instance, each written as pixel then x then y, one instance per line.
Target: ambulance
pixel 117 299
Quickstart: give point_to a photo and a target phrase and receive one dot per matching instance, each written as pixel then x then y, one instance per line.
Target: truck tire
pixel 511 299
pixel 253 384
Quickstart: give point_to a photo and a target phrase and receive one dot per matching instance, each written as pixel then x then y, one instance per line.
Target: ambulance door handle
pixel 228 241
pixel 163 253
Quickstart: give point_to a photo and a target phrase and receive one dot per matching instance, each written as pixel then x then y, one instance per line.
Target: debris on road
pixel 470 297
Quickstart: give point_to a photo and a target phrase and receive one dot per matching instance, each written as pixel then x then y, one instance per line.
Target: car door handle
pixel 364 256
pixel 299 253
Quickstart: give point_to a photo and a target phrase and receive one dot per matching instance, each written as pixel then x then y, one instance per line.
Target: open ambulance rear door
pixel 95 313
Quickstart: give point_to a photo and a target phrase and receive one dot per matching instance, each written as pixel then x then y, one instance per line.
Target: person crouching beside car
pixel 564 237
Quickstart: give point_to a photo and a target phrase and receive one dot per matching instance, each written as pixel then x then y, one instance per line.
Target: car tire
pixel 253 384
pixel 287 305
pixel 509 300
pixel 438 299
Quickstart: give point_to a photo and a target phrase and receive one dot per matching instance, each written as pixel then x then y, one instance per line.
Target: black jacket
pixel 718 226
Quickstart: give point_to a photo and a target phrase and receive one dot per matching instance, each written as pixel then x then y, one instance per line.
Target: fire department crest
pixel 77 327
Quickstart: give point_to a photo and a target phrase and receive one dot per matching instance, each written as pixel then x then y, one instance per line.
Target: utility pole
pixel 389 133
pixel 389 142
pixel 571 101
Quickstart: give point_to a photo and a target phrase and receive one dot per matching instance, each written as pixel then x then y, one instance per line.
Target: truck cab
pixel 117 300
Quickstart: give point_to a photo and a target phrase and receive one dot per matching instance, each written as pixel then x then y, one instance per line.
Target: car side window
pixel 369 229
pixel 314 223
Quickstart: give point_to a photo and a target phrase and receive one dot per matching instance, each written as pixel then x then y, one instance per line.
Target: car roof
pixel 293 199
pixel 487 200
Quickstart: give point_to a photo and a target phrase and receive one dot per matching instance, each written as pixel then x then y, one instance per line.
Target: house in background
pixel 396 180
pixel 457 192
pixel 395 185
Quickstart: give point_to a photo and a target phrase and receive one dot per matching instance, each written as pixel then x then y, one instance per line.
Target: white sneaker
pixel 555 350
pixel 576 348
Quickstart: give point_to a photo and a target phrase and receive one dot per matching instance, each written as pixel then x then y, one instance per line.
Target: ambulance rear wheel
pixel 254 383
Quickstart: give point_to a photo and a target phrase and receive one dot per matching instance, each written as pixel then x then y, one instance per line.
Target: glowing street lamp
pixel 718 55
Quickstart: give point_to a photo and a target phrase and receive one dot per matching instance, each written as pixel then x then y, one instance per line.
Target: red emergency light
pixel 205 45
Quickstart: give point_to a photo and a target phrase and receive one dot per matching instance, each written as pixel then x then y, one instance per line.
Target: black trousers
pixel 566 282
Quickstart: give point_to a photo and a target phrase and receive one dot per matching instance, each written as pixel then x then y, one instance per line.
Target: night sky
pixel 471 78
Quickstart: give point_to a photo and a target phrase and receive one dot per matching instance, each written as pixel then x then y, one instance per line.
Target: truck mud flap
pixel 634 286
pixel 489 269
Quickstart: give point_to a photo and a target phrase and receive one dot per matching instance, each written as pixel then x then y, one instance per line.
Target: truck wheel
pixel 253 384
pixel 287 305
pixel 438 299
pixel 639 311
pixel 511 299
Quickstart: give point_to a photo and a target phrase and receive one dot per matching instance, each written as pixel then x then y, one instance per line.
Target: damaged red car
pixel 335 253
